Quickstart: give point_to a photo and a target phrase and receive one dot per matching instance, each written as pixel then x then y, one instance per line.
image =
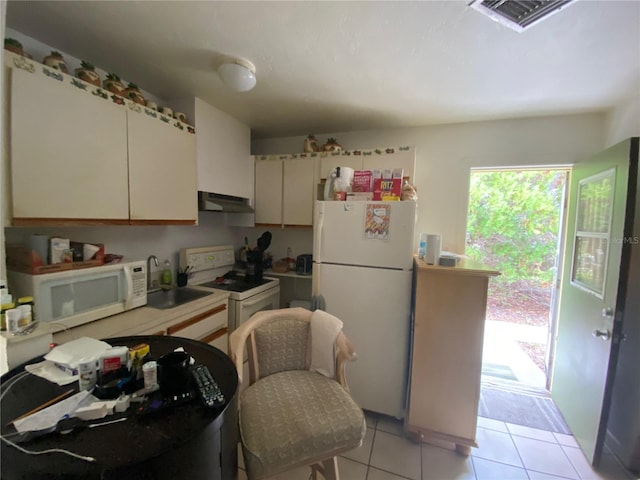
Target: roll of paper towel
pixel 433 249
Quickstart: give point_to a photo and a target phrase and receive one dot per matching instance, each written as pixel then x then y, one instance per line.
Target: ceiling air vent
pixel 519 14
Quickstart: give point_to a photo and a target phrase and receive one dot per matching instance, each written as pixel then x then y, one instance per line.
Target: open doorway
pixel 514 226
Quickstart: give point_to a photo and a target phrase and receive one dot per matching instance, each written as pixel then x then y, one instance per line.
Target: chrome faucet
pixel 155 260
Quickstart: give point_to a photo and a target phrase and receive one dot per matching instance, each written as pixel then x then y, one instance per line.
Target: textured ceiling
pixel 339 66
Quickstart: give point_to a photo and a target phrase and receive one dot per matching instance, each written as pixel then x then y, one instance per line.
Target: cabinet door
pixel 268 192
pixel 68 152
pixel 327 164
pixel 447 352
pixel 225 164
pixel 297 206
pixel 162 171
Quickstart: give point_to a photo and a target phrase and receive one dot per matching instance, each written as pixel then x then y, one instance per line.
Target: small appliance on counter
pixel 339 182
pixel 304 264
pixel 73 297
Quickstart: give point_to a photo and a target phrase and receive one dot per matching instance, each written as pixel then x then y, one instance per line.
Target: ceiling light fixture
pixel 238 74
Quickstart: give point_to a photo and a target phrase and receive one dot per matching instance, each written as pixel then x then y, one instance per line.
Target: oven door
pixel 244 309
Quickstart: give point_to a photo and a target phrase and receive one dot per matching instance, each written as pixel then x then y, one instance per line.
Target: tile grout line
pixel 375 430
pixel 571 463
pixel 473 465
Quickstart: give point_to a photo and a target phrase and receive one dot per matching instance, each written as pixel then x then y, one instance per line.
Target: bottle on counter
pixel 13 316
pixel 422 249
pixel 25 304
pixel 291 262
pixel 166 278
pixel 3 311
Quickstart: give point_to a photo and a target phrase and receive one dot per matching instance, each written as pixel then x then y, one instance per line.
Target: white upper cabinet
pixel 81 155
pixel 225 164
pixel 162 171
pixel 68 152
pixel 268 191
pixel 284 191
pixel 297 198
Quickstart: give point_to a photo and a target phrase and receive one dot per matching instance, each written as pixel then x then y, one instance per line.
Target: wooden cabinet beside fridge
pixel 446 354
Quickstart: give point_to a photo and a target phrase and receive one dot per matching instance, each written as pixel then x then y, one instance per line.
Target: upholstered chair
pixel 295 411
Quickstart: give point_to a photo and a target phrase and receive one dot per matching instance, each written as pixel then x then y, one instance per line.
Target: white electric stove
pixel 212 268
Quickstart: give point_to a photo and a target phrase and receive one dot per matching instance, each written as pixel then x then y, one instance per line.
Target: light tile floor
pixel 506 452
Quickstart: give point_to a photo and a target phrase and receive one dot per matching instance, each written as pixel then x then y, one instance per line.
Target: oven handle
pixel 258 299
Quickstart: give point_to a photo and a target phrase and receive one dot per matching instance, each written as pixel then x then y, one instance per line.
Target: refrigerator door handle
pixel 319 232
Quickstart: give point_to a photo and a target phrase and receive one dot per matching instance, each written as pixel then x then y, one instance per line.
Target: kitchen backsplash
pixel 300 240
pixel 165 242
pixel 138 242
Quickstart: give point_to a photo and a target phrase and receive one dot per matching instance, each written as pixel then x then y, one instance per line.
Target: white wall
pixel 445 154
pixel 39 50
pixel 138 242
pixel 623 121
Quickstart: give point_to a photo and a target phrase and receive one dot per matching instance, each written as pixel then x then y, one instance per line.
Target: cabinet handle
pixel 212 336
pixel 187 323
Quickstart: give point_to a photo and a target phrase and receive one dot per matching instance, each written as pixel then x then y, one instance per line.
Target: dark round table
pixel 185 441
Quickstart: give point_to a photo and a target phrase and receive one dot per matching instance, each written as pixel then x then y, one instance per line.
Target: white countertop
pixel 290 274
pixel 138 321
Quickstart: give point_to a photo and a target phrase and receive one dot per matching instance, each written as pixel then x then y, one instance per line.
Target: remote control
pixel 207 387
pixel 157 403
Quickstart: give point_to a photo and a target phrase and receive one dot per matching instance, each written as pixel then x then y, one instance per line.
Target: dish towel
pixel 324 330
pixel 317 303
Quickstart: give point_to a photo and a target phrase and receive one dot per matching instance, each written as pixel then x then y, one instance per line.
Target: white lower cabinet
pixel 209 327
pixel 205 320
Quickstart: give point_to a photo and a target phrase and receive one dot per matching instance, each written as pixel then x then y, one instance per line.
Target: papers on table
pixel 49 371
pixel 50 416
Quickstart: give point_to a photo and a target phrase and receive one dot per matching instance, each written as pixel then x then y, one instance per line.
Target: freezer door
pixel 348 233
pixel 374 305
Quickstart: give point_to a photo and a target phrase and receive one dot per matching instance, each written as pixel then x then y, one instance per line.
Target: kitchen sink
pixel 174 297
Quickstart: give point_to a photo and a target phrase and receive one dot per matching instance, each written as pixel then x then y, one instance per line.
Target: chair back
pixel 280 340
pixel 281 344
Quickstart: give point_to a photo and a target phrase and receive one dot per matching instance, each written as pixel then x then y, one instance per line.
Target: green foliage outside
pixel 513 223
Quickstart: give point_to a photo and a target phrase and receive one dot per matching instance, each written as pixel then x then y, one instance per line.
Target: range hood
pixel 216 202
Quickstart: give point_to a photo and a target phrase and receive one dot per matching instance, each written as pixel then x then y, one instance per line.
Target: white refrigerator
pixel 363 261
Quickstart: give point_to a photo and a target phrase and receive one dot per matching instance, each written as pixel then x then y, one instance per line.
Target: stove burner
pixel 235 282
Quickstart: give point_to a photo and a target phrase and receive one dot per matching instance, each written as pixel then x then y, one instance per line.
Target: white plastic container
pixel 433 249
pixel 88 373
pixel 150 373
pixel 13 316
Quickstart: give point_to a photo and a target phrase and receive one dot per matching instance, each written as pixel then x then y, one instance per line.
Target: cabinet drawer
pixel 201 325
pixel 218 339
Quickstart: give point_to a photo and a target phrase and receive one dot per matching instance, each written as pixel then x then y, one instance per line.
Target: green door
pixel 587 342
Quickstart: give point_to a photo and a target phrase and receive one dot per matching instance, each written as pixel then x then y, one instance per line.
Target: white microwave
pixel 74 297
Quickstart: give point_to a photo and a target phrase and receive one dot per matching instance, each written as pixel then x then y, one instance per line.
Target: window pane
pixel 589 264
pixel 594 204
